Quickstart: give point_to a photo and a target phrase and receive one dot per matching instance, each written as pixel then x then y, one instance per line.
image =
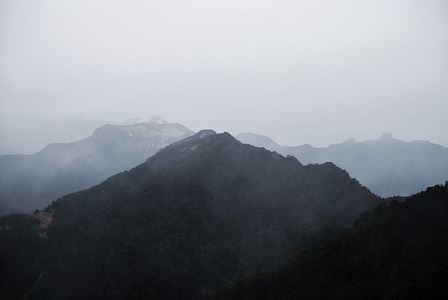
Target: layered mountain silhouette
pixel 28 182
pixel 387 166
pixel 396 251
pixel 200 211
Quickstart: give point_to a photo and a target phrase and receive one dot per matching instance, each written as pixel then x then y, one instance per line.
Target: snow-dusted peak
pixel 158 120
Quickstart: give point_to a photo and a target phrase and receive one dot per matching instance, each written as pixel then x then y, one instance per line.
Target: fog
pixel 316 72
pixel 63 168
pixel 387 166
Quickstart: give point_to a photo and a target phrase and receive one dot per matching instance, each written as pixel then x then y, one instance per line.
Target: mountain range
pixel 387 166
pixel 200 211
pixel 33 181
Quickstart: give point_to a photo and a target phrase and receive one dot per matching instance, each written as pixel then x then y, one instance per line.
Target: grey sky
pixel 316 72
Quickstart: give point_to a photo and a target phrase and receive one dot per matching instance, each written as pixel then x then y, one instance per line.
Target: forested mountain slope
pixel 201 211
pixel 396 251
pixel 387 166
pixel 28 182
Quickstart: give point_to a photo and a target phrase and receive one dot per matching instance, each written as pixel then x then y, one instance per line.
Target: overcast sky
pixel 316 72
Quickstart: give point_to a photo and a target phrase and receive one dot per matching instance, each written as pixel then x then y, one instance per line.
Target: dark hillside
pixel 396 251
pixel 200 211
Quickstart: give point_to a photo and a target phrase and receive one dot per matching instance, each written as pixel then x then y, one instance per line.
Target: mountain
pixel 387 166
pixel 28 182
pixel 200 211
pixel 156 119
pixel 396 251
pixel 29 135
pixel 132 121
pixel 258 140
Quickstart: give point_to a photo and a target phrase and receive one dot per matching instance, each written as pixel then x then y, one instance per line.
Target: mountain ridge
pixel 387 166
pixel 196 213
pixel 63 168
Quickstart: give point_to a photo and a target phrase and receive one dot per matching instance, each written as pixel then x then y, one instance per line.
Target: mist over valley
pixel 200 210
pixel 305 158
pixel 196 214
pixel 388 167
pixel 22 134
pixel 34 181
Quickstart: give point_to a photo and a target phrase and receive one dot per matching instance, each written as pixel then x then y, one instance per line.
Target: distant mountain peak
pixel 257 140
pixel 386 136
pixel 200 135
pixel 158 120
pixel 205 133
pixel 350 142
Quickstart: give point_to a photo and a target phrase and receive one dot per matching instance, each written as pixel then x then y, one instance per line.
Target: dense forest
pixel 200 212
pixel 397 251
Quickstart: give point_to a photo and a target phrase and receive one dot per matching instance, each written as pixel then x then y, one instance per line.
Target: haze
pixel 316 72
